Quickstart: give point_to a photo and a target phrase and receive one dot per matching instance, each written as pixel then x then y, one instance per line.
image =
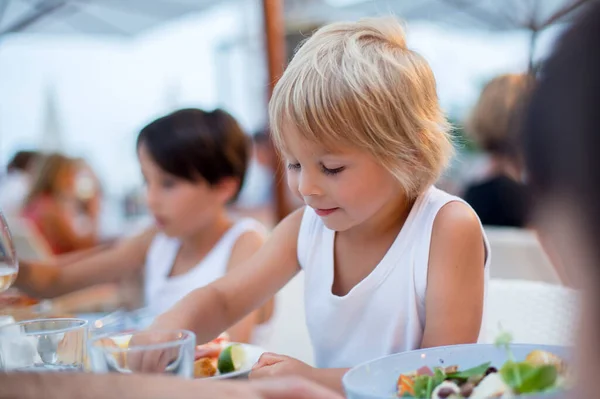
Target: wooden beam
pixel 274 26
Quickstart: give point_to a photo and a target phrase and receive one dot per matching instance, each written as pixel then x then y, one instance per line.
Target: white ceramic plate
pixel 253 353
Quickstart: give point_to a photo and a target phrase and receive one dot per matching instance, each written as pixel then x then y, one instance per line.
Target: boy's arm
pixel 455 280
pixel 210 310
pixel 49 280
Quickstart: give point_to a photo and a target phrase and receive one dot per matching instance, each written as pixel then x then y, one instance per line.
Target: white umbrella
pixel 496 15
pixel 94 17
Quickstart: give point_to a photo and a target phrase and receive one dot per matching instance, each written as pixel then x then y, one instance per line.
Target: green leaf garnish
pixel 472 372
pixel 503 340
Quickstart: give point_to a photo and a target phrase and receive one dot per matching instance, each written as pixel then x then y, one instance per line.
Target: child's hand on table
pixel 274 365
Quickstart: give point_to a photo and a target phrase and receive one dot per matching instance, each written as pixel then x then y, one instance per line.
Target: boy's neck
pixel 203 240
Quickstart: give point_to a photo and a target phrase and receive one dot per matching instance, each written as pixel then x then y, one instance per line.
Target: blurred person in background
pixel 501 198
pixel 194 165
pixel 63 203
pixel 257 191
pixel 562 140
pixel 15 185
pixel 256 198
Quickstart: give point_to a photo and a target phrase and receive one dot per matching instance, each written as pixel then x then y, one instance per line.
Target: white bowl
pixel 377 379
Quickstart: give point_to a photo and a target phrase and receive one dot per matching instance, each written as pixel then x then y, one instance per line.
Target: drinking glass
pixel 44 345
pixel 164 352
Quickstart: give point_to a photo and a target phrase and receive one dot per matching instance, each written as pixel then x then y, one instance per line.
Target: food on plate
pixel 15 299
pixel 231 359
pixel 540 372
pixel 204 367
pixel 219 356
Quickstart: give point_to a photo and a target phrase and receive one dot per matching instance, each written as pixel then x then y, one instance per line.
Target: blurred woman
pixel 63 203
pixel 500 199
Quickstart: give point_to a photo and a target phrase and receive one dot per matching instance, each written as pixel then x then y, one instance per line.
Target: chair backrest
pixel 290 335
pixel 532 312
pixel 29 243
pixel 517 254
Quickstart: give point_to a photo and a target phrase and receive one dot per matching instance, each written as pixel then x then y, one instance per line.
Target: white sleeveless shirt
pixel 162 291
pixel 385 312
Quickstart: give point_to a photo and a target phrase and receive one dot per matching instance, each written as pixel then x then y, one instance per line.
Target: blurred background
pixel 82 77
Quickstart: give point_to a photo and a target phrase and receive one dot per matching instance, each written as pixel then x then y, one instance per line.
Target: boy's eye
pixel 334 171
pixel 293 166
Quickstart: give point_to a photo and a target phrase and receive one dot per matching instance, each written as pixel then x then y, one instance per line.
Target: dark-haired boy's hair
pixel 193 144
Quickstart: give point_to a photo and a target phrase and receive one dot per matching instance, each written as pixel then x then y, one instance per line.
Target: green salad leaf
pixel 430 388
pixel 514 373
pixel 425 384
pixel 420 386
pixel 539 380
pixel 525 378
pixel 438 377
pixel 472 372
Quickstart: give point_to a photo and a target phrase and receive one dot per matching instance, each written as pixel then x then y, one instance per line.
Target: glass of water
pixel 44 345
pixel 9 266
pixel 164 352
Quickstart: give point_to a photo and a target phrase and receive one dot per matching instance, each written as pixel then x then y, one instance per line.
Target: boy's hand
pixel 273 365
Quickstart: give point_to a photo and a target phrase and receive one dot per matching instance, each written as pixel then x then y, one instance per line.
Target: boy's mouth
pixel 160 222
pixel 325 212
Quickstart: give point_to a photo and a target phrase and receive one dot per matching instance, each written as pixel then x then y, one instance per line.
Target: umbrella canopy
pixel 495 15
pixel 478 14
pixel 93 17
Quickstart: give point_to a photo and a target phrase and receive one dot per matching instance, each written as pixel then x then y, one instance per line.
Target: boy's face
pixel 180 207
pixel 346 187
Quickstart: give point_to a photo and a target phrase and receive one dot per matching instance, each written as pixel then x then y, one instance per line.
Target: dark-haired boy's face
pixel 180 207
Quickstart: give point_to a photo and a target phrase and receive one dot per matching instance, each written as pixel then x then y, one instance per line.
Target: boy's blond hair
pixel 494 121
pixel 357 84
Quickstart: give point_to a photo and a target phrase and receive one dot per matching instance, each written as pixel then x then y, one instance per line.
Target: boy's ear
pixel 227 188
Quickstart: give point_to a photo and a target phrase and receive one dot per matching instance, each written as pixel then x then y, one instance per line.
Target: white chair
pixel 29 243
pixel 290 335
pixel 517 254
pixel 532 312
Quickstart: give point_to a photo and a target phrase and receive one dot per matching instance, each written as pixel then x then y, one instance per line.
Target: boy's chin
pixel 338 224
pixel 170 232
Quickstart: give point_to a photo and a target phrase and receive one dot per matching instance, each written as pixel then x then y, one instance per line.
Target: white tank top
pixel 384 313
pixel 162 291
